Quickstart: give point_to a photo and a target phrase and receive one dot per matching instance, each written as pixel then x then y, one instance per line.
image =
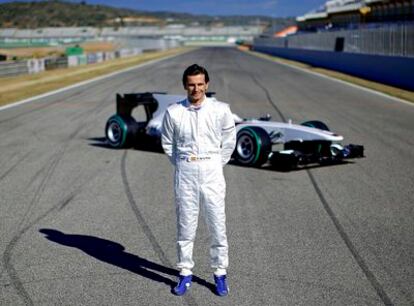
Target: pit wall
pixel 391 70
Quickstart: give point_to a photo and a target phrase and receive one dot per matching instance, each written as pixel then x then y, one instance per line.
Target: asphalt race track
pixel 83 224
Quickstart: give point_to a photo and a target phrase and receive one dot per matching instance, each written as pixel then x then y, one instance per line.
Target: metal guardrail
pixel 34 65
pixel 390 39
pixel 14 68
pixel 56 63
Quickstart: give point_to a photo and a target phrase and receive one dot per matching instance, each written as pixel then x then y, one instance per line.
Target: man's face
pixel 196 88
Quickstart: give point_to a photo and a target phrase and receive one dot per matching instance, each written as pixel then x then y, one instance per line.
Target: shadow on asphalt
pixel 114 253
pixel 268 167
pixel 156 148
pixel 146 146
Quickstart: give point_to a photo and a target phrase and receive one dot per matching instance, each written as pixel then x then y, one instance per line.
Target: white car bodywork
pixel 259 140
pixel 279 132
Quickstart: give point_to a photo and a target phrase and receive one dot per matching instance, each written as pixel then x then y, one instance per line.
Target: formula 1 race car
pixel 259 140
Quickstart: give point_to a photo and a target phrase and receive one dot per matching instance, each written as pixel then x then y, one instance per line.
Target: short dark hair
pixel 195 69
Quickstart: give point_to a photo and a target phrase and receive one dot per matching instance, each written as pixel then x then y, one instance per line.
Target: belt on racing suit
pixel 196 158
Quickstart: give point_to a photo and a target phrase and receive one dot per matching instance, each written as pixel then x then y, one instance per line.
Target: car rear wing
pixel 127 102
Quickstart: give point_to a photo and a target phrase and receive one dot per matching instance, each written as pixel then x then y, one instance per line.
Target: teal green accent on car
pixel 123 126
pixel 308 124
pixel 258 142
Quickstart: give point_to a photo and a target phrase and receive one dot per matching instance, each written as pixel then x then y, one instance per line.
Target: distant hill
pixel 60 14
pixel 36 14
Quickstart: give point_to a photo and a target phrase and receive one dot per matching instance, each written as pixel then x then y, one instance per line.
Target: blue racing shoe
pixel 184 283
pixel 221 285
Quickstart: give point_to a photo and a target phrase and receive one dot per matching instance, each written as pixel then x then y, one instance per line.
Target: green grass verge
pixel 17 88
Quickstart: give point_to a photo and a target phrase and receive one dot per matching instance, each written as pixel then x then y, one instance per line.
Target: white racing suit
pixel 199 142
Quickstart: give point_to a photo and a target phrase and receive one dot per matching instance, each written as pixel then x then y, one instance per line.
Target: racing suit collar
pixel 193 107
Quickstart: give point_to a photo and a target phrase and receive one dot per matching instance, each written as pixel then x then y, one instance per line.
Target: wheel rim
pixel 336 149
pixel 114 132
pixel 245 147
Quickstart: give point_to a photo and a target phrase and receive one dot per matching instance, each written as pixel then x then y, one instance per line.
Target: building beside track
pixel 146 37
pixel 372 39
pixel 356 13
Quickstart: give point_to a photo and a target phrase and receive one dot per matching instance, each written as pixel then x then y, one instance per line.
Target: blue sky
pixel 275 8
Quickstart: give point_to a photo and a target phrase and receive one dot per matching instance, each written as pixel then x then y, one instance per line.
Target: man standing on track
pixel 199 137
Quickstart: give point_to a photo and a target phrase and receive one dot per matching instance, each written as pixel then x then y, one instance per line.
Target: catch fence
pixel 389 40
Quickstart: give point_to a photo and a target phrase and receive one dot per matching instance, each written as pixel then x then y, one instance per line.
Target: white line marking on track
pixel 337 80
pixel 50 93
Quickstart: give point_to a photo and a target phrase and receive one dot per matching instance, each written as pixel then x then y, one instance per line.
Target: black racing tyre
pixel 316 124
pixel 120 131
pixel 252 147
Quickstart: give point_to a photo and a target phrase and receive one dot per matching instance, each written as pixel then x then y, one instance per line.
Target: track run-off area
pixel 83 224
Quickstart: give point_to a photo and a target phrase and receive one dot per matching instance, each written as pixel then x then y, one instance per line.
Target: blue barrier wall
pixel 395 71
